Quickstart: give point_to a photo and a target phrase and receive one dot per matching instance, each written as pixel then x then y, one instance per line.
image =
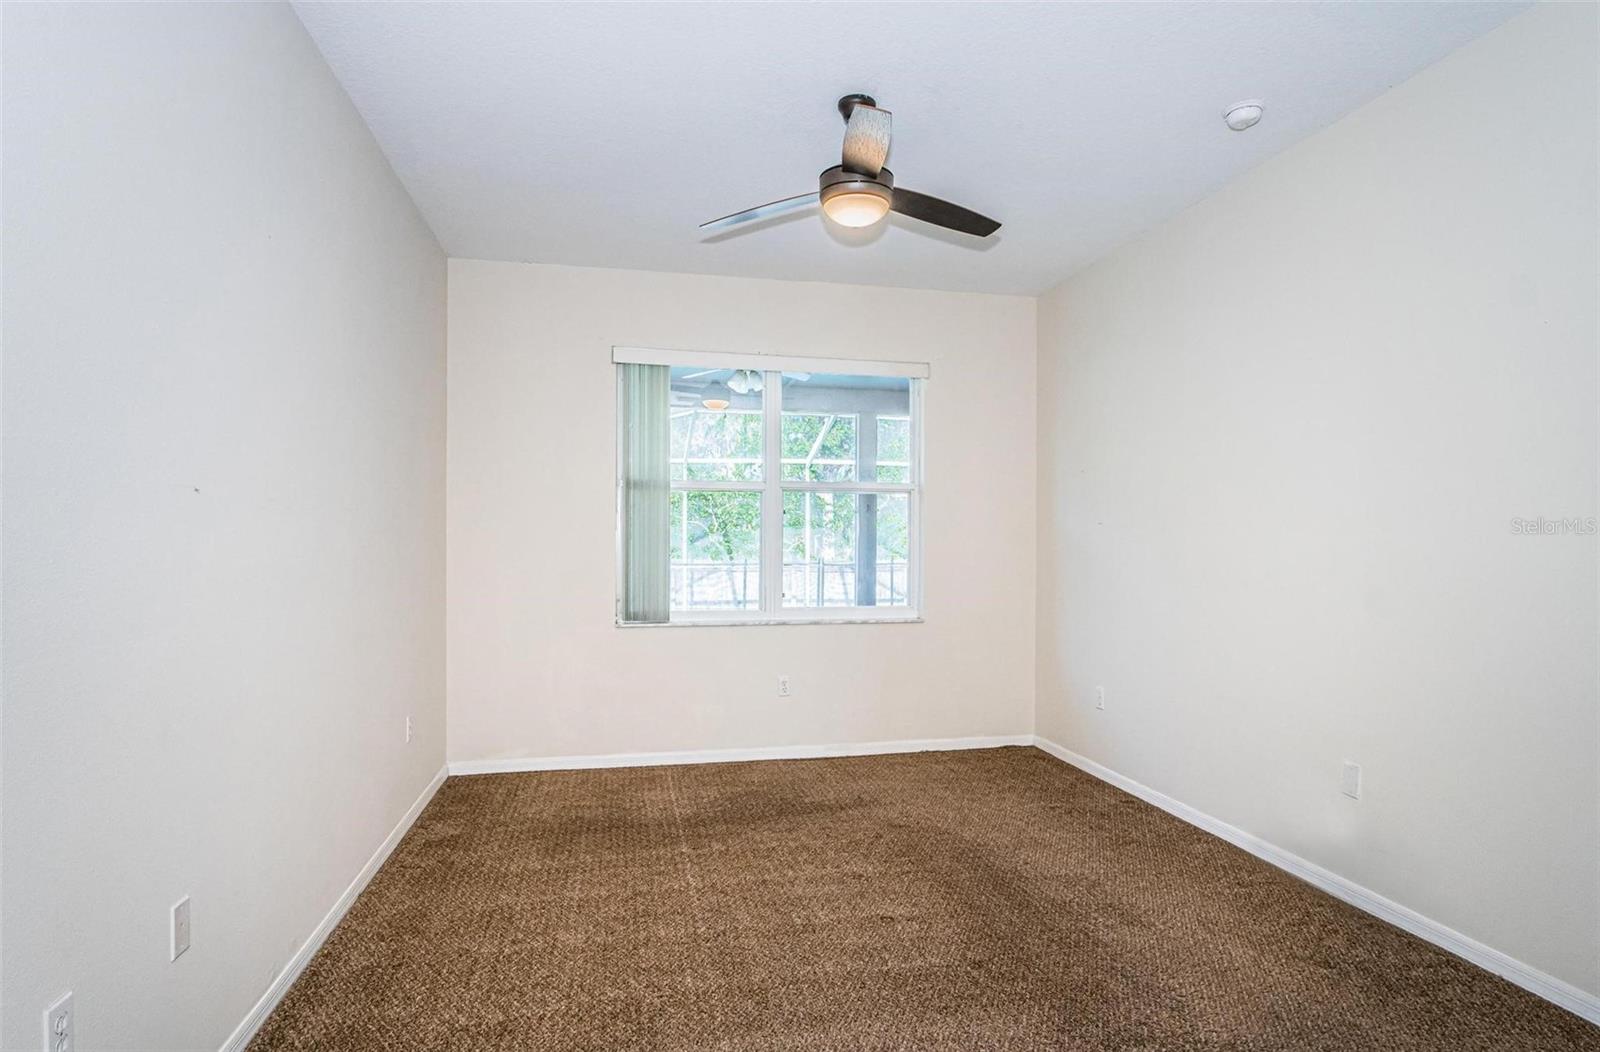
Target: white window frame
pixel 772 487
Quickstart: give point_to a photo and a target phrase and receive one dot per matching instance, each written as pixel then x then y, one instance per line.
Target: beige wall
pixel 537 667
pixel 1283 438
pixel 224 493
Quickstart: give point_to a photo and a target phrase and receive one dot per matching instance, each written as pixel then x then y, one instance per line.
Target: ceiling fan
pixel 860 191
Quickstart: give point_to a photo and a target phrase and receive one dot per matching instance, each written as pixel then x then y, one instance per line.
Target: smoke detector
pixel 1242 115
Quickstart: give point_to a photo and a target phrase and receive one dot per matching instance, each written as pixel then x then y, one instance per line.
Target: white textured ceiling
pixel 602 134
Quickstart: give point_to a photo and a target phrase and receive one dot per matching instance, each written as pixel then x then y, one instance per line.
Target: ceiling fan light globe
pixel 856 208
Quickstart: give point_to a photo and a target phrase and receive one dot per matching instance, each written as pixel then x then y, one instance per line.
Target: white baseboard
pixel 772 752
pixel 247 1028
pixel 1556 991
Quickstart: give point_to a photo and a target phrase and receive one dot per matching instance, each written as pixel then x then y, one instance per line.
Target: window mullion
pixel 772 494
pixel 716 486
pixel 849 487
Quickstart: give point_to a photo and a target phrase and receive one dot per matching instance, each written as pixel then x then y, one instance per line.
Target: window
pixel 755 489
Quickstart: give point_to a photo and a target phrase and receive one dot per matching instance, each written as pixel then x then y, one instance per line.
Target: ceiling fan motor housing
pixel 841 180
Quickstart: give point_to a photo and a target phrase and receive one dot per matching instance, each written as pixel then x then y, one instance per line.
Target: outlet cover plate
pixel 59 1025
pixel 1350 780
pixel 181 930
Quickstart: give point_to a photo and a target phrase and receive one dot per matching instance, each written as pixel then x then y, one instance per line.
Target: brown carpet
pixel 976 900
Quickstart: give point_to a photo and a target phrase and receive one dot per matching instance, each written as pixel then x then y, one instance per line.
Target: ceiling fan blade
pixel 942 213
pixel 866 139
pixel 771 208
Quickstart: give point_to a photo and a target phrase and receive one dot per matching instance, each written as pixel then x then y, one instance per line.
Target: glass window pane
pixel 894 449
pixel 893 529
pixel 819 549
pixel 716 424
pixel 822 545
pixel 819 447
pixel 716 550
pixel 840 428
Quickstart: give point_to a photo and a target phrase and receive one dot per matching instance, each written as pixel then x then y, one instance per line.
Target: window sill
pixel 907 617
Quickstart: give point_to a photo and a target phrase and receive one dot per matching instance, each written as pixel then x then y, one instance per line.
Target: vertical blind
pixel 646 494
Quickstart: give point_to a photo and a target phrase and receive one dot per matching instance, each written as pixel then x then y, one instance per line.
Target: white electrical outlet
pixel 783 686
pixel 1099 697
pixel 180 927
pixel 1350 780
pixel 58 1025
pixel 408 730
